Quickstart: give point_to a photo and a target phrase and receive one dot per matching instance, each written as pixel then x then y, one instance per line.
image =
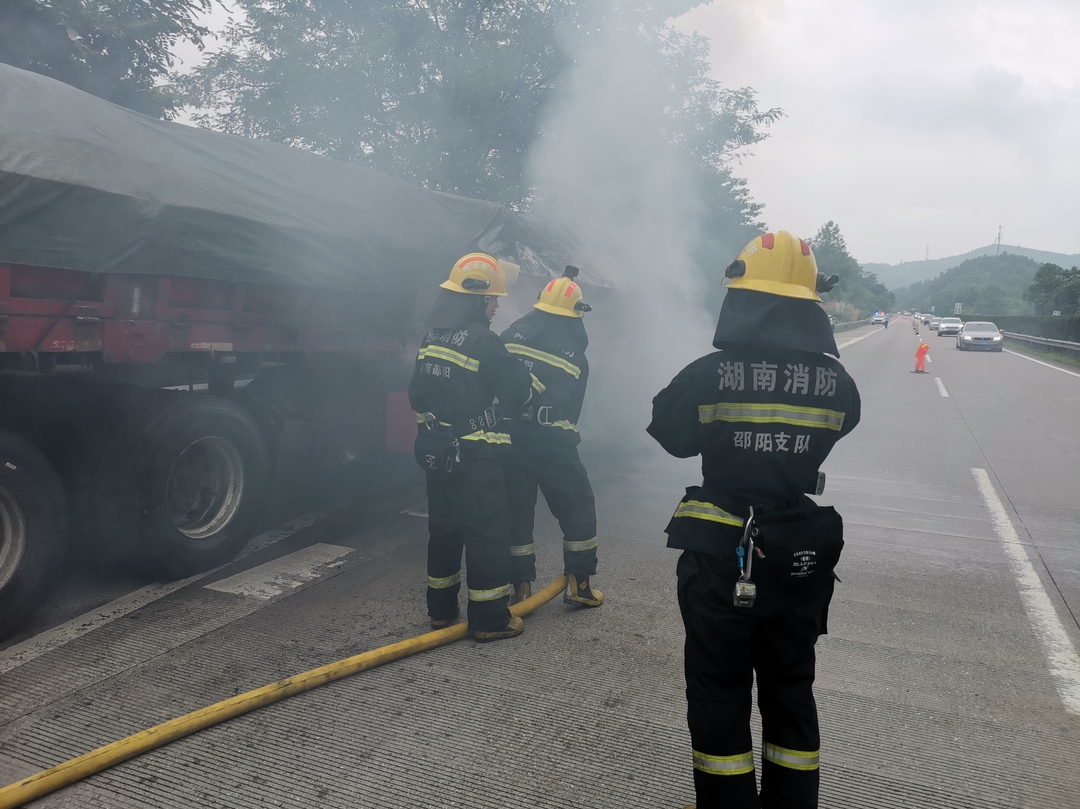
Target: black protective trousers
pixel 467 509
pixel 725 647
pixel 557 471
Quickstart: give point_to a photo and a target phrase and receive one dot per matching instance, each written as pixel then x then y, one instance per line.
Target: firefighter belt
pixel 795 546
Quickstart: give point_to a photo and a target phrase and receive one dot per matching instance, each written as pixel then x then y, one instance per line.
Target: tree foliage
pixel 858 288
pixel 989 285
pixel 1055 289
pixel 119 50
pixel 451 94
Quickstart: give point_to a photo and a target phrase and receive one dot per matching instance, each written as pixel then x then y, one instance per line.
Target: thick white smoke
pixel 606 169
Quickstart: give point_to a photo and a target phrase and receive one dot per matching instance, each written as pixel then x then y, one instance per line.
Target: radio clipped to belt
pixel 792 548
pixel 437 449
pixel 745 589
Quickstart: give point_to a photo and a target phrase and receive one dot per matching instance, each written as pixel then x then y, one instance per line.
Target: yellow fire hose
pixel 76 769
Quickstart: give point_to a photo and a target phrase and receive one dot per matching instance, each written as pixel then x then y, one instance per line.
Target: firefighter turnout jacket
pixel 763 419
pixel 459 374
pixel 560 374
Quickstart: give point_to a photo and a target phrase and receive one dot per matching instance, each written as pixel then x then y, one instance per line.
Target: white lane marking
pixel 286 573
pixel 1064 664
pixel 929 358
pixel 52 639
pixel 1040 362
pixel 941 387
pixel 416 512
pixel 861 337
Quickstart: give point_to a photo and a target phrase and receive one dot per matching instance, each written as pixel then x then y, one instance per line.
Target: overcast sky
pixel 915 125
pixel 911 123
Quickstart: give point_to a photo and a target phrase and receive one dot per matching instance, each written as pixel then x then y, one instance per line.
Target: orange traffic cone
pixel 920 357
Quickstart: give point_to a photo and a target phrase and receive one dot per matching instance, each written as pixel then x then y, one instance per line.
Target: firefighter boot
pixel 442 623
pixel 522 590
pixel 578 591
pixel 514 627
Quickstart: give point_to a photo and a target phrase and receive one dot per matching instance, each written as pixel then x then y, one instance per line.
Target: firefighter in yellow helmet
pixel 550 341
pixel 756 574
pixel 462 368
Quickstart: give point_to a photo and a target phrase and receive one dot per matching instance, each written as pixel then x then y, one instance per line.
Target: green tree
pixel 857 287
pixel 1055 289
pixel 452 94
pixel 119 50
pixel 986 285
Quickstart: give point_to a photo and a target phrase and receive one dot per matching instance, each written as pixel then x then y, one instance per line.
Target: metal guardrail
pixel 1044 341
pixel 850 324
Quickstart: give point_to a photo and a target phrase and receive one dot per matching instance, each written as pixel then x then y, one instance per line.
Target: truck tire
pixel 33 529
pixel 177 491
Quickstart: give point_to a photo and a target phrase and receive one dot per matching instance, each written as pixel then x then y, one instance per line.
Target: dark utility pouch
pixel 795 552
pixel 437 451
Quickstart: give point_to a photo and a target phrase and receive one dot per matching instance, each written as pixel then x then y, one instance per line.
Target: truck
pixel 172 298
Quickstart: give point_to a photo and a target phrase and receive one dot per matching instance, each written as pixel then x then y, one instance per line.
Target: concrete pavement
pixel 937 686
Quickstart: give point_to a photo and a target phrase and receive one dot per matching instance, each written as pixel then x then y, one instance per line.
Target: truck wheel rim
pixel 205 487
pixel 12 536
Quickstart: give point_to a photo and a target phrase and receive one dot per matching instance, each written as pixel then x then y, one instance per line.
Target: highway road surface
pixel 950 677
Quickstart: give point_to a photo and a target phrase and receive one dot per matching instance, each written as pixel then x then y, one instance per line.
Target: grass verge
pixel 1072 359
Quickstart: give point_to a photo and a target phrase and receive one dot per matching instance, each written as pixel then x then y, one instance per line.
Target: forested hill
pixel 987 285
pixel 895 276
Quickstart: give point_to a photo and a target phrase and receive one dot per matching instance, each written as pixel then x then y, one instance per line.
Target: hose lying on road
pixel 76 769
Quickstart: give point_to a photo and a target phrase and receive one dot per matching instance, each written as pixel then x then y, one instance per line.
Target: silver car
pixel 980 336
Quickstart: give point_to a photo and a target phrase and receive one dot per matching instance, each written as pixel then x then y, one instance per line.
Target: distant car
pixel 934 321
pixel 877 319
pixel 980 336
pixel 949 325
pixel 926 319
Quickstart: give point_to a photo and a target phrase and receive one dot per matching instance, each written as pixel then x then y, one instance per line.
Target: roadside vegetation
pixel 987 285
pixel 859 294
pixel 1070 358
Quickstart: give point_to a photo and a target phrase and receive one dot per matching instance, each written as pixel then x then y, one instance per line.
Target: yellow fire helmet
pixel 481 274
pixel 779 264
pixel 562 296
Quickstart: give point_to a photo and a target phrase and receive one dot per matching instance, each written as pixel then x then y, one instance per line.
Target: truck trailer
pixel 171 297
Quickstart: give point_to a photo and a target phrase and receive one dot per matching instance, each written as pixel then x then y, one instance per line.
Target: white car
pixel 949 325
pixel 878 319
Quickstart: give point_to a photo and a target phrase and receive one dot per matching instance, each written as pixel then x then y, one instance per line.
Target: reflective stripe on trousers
pixel 490 595
pixel 724 765
pixel 444 582
pixel 578 547
pixel 804 760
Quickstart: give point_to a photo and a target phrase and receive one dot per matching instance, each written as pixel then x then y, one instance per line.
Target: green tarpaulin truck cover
pixel 88 185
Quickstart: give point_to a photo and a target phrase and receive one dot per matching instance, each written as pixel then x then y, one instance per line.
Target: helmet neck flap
pixel 749 318
pixel 555 331
pixel 455 310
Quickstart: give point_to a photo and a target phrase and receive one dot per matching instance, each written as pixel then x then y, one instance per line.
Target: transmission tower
pixel 927 256
pixel 998 243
